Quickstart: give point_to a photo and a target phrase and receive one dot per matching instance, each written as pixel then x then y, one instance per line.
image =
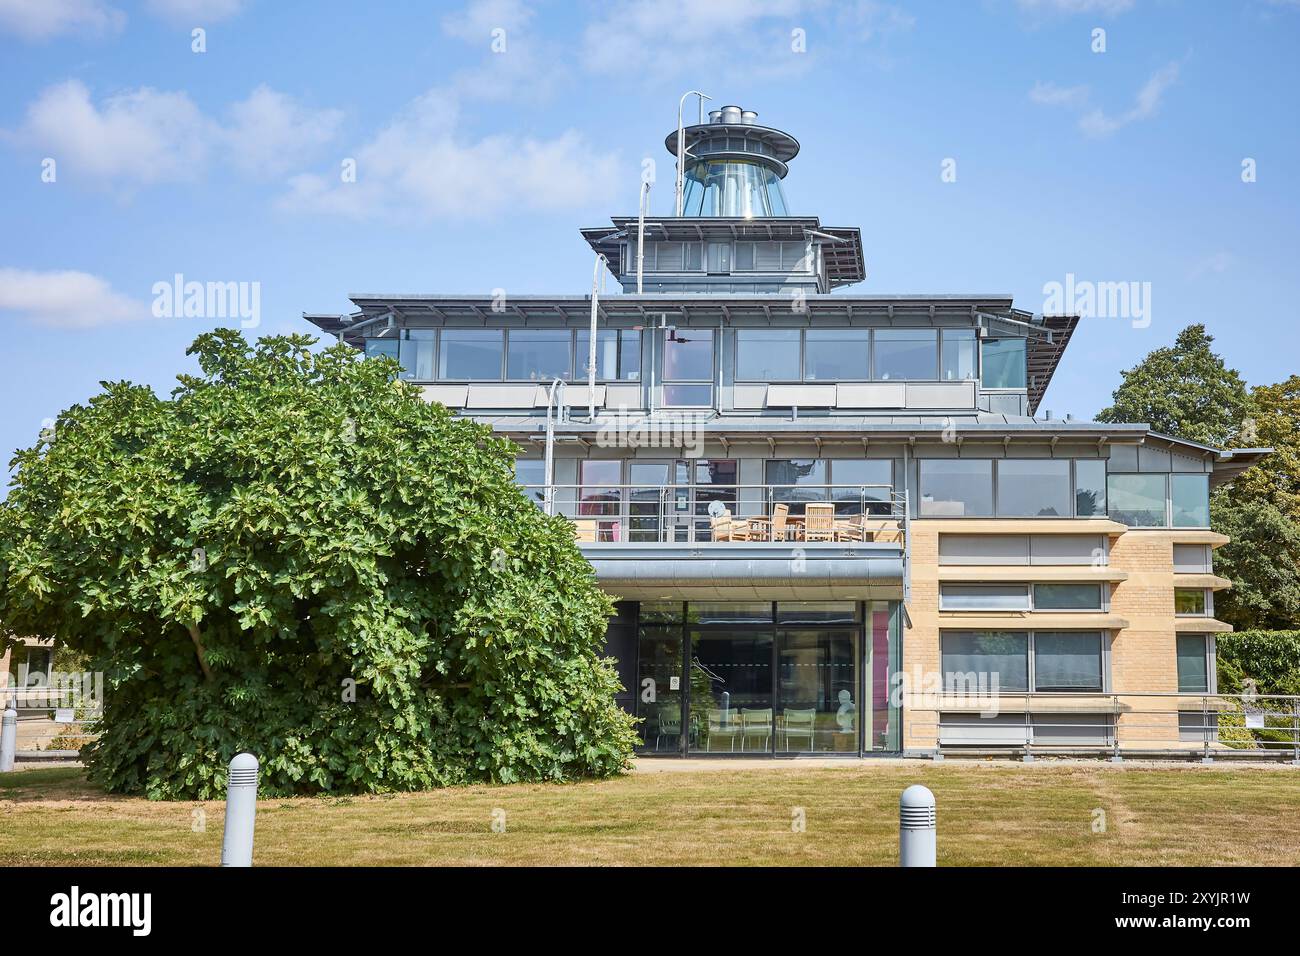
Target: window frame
pixel 1031 604
pixel 1210 660
pixel 1207 601
pixel 1031 678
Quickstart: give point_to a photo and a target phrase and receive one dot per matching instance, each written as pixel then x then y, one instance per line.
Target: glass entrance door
pixel 731 691
pixel 661 697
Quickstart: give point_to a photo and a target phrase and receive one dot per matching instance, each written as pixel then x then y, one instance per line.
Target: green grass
pixel 989 814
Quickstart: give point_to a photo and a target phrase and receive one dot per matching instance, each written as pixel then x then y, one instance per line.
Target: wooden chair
pixel 819 522
pixel 720 527
pixel 773 528
pixel 727 528
pixel 853 528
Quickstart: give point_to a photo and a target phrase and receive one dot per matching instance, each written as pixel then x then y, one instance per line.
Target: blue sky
pixel 475 168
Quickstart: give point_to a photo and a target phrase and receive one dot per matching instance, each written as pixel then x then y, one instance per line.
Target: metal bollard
pixel 916 827
pixel 241 807
pixel 8 739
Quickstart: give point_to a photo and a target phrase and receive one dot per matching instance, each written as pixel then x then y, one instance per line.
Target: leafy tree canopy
pixel 1275 424
pixel 297 556
pixel 1184 390
pixel 1262 560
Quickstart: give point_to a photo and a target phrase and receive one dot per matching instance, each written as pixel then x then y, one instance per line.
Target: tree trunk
pixel 199 649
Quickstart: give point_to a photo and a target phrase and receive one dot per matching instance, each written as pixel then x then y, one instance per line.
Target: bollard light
pixel 8 739
pixel 241 808
pixel 916 827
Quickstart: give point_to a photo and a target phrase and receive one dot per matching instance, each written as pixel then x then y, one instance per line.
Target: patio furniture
pixel 798 723
pixel 774 528
pixel 819 522
pixel 853 528
pixel 722 726
pixel 728 528
pixel 756 722
pixel 670 722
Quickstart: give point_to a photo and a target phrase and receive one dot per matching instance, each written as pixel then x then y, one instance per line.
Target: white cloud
pixel 146 136
pixel 1098 123
pixel 199 12
pixel 1049 94
pixel 1068 7
pixel 271 133
pixel 43 19
pixel 476 22
pixel 423 166
pixel 140 136
pixel 65 299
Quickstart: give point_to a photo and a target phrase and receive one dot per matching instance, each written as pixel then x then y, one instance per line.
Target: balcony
pixel 739 542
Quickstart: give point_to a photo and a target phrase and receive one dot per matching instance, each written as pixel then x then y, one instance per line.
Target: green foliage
pixel 1262 560
pixel 1184 390
pixel 1270 658
pixel 286 523
pixel 1275 424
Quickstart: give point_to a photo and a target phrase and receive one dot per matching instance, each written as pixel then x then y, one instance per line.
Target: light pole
pixel 681 141
pixel 591 354
pixel 549 469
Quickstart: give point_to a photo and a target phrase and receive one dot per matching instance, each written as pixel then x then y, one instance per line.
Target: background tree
pixel 298 556
pixel 1184 390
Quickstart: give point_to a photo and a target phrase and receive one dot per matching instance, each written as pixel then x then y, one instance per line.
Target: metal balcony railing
pixel 1210 726
pixel 694 514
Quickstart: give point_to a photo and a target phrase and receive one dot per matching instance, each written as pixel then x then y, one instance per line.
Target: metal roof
pixel 844 260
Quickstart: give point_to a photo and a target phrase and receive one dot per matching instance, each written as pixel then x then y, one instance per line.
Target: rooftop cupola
pixel 734 166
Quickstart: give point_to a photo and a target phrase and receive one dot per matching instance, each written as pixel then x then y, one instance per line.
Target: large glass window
pixel 836 355
pixel 767 355
pixel 1193 664
pixel 1000 655
pixel 538 354
pixel 731 690
pixel 386 347
pixel 984 597
pixel 1190 496
pixel 859 480
pixel 732 188
pixel 470 355
pixel 1067 597
pixel 416 354
pixel 1067 661
pixel 1090 488
pixel 902 354
pixel 1029 487
pixel 600 496
pixel 618 354
pixel 531 472
pixel 1002 363
pixel 687 357
pixel 956 487
pixel 660 691
pixel 957 357
pixel 817 690
pixel 797 480
pixel 1136 500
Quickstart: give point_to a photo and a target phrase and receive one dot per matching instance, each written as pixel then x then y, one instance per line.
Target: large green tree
pixel 297 556
pixel 1184 390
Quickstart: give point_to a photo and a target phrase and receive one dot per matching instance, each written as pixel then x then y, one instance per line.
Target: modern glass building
pixel 834 522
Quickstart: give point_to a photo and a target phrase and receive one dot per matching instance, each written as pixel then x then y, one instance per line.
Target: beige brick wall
pixel 1142 653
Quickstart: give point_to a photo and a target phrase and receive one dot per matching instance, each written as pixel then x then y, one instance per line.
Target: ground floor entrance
pixel 779 678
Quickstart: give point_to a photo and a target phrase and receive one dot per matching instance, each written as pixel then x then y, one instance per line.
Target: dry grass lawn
pixel 989 814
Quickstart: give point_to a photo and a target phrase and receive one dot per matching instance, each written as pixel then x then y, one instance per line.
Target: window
pixel 385 347
pixel 767 355
pixel 1136 500
pixel 1195 663
pixel 984 597
pixel 538 354
pixel 694 257
pixel 688 356
pixel 835 355
pixel 806 475
pixel 470 355
pixel 1190 495
pixel 1089 488
pixel 600 496
pixel 618 354
pixel 1192 559
pixel 957 356
pixel 1003 363
pixel 1067 661
pixel 1067 597
pixel 1193 602
pixel 531 471
pixel 1000 655
pixel 857 479
pixel 1034 487
pixel 744 257
pixel 415 352
pixel 904 354
pixel 956 487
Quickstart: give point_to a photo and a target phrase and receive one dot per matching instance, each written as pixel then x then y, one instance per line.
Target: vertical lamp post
pixel 681 142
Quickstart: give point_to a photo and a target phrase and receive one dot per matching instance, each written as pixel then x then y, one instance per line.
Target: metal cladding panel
pixel 875 395
pixel 804 396
pixel 453 396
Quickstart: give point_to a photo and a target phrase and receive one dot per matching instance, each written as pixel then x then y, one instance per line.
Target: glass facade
pixel 1038 487
pixel 471 355
pixel 957 355
pixel 1137 500
pixel 732 188
pixel 539 354
pixel 758 678
pixel 1090 488
pixel 956 487
pixel 1190 500
pixel 1002 363
pixel 767 355
pixel 903 354
pixel 836 355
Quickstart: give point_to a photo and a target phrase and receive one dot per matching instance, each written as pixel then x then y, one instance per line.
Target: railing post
pixel 1114 735
pixel 1029 735
pixel 917 844
pixel 241 811
pixel 1205 729
pixel 8 739
pixel 1295 731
